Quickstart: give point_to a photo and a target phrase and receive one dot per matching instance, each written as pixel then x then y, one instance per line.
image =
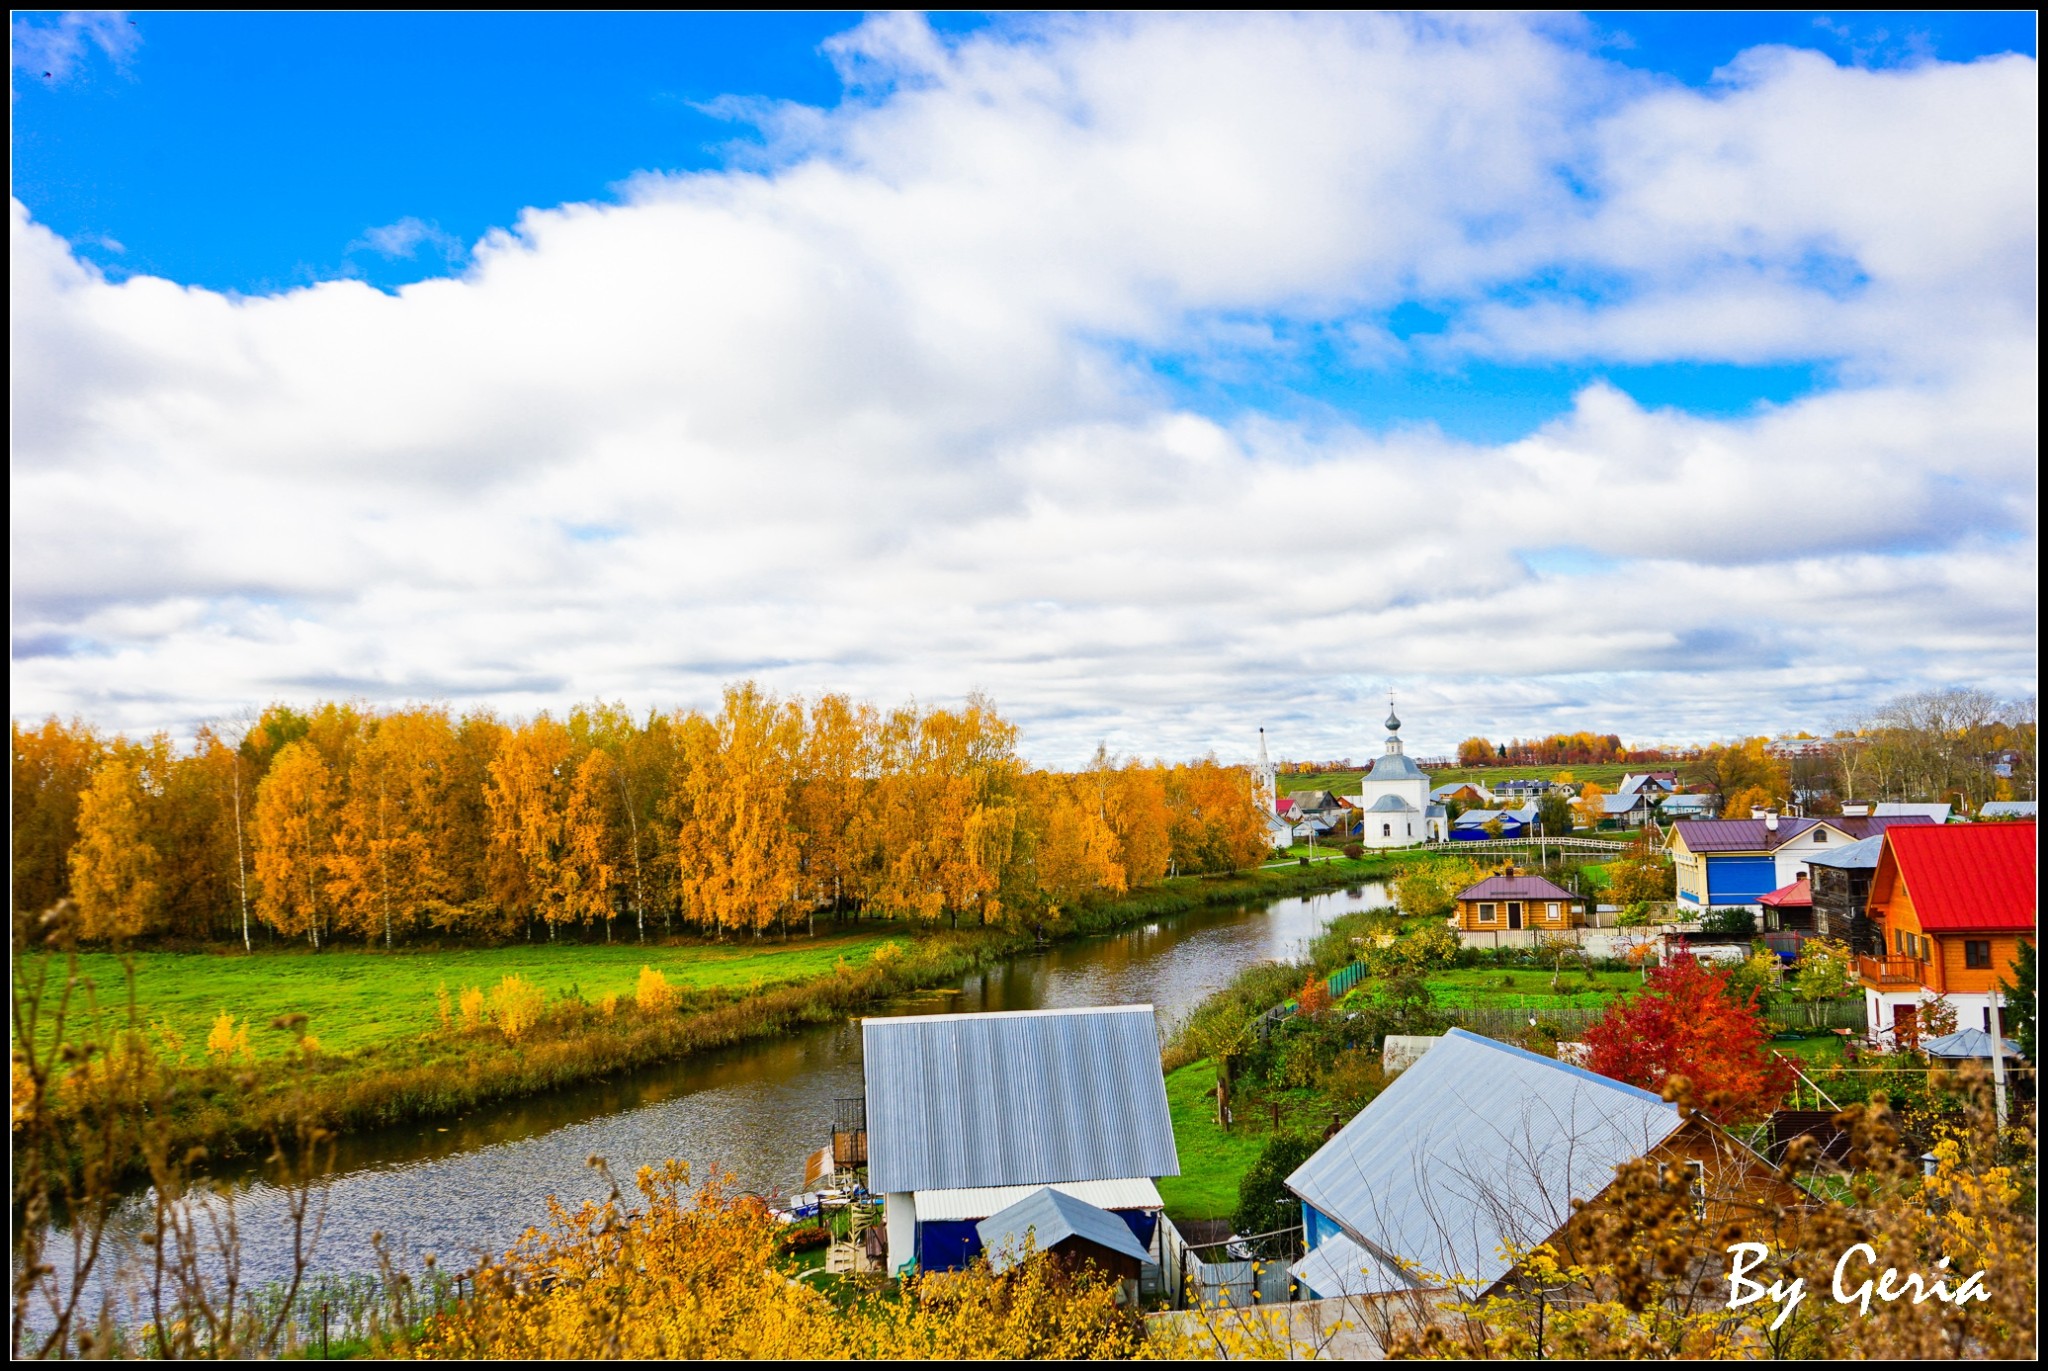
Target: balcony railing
pixel 1887 971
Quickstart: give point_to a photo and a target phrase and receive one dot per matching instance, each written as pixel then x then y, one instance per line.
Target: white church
pixel 1393 800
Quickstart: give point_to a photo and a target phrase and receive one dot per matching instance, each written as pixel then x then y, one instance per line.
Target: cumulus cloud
pixel 873 412
pixel 405 238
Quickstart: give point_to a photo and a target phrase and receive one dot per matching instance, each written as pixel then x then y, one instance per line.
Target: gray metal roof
pixel 1476 1146
pixel 1341 1267
pixel 1970 1042
pixel 1624 803
pixel 1050 1217
pixel 1859 856
pixel 2008 809
pixel 1025 1098
pixel 1390 804
pixel 1395 766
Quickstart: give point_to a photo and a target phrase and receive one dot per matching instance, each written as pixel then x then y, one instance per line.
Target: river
pixel 474 1184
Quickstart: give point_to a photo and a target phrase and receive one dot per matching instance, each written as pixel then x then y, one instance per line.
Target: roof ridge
pixel 1007 1013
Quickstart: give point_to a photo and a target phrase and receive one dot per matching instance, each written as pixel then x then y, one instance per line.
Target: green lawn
pixel 355 998
pixel 1212 1162
pixel 1482 986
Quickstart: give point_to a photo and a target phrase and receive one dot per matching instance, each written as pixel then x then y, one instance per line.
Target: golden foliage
pixel 694 1274
pixel 516 1006
pixel 472 1008
pixel 653 994
pixel 226 1043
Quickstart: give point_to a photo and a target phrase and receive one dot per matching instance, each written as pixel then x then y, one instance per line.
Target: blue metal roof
pixel 1026 1098
pixel 1050 1218
pixel 1394 766
pixel 1476 1147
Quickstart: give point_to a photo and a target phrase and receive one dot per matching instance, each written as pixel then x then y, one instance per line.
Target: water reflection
pixel 472 1185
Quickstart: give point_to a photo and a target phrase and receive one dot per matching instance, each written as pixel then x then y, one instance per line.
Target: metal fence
pixel 1343 979
pixel 1238 1272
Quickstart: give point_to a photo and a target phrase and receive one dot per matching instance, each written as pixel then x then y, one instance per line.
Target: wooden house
pixel 1950 905
pixel 1510 900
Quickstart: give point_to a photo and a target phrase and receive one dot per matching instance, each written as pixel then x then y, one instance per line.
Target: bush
pixel 516 1004
pixel 1354 851
pixel 1731 922
pixel 1354 1080
pixel 803 1237
pixel 654 994
pixel 1264 1203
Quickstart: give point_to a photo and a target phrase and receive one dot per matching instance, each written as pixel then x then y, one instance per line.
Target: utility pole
pixel 1997 1058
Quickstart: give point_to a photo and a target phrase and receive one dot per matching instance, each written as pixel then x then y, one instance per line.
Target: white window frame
pixel 1486 913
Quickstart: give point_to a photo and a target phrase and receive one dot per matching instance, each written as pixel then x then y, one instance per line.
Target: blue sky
pixel 1593 270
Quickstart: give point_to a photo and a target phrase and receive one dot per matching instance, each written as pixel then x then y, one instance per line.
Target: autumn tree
pixel 526 797
pixel 736 842
pixel 1476 752
pixel 294 840
pixel 1134 802
pixel 1591 805
pixel 53 765
pixel 1687 1022
pixel 835 789
pixel 115 863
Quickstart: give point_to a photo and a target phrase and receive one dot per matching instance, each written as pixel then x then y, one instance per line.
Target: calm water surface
pixel 473 1185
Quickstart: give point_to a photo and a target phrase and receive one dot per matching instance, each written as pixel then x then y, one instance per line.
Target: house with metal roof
pixel 1509 899
pixel 1839 880
pixel 1933 813
pixel 1689 806
pixel 1650 783
pixel 1629 809
pixel 1474 1152
pixel 1950 903
pixel 1049 1222
pixel 1479 1152
pixel 968 1114
pixel 1471 826
pixel 1738 861
pixel 2008 809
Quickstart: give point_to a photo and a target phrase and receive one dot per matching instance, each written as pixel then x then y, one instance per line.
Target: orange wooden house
pixel 1512 900
pixel 1951 904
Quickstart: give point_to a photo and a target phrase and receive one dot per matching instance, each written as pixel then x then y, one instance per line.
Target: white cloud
pixel 50 48
pixel 865 417
pixel 406 237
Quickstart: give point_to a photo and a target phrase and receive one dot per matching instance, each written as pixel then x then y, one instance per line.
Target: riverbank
pixel 578 1036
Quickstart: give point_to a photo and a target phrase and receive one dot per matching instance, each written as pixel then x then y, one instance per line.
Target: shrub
pixel 515 1005
pixel 1354 1080
pixel 227 1044
pixel 608 1005
pixel 442 1006
pixel 1731 921
pixel 472 1008
pixel 803 1237
pixel 1264 1204
pixel 1354 851
pixel 654 994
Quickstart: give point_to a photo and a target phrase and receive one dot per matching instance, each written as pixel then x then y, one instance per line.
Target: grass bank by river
pixel 386 1058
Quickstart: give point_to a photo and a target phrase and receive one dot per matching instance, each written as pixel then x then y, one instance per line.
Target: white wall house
pixel 1393 800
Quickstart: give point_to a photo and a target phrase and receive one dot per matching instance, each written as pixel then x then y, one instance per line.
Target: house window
pixel 1552 910
pixel 1486 913
pixel 1977 953
pixel 1696 1172
pixel 1820 835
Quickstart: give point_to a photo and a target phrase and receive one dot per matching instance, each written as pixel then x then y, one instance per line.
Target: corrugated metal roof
pixel 1135 1192
pixel 1033 1097
pixel 1624 803
pixel 1857 856
pixel 1390 804
pixel 2008 809
pixel 1051 1217
pixel 1968 877
pixel 1394 766
pixel 1937 814
pixel 1797 893
pixel 1341 1267
pixel 1476 1146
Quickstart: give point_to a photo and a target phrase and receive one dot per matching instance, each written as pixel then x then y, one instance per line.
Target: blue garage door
pixel 1740 880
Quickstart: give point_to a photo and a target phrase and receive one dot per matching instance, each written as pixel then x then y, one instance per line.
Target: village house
pixel 968 1115
pixel 1720 862
pixel 1476 1153
pixel 1464 792
pixel 1629 809
pixel 2007 809
pixel 1475 825
pixel 1950 904
pixel 1839 884
pixel 1511 900
pixel 1649 783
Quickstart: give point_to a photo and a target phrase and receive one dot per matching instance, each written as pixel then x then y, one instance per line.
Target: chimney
pixel 1758 812
pixel 1855 811
pixel 1771 820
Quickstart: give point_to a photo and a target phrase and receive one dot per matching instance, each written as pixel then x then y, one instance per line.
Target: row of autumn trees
pixel 381 825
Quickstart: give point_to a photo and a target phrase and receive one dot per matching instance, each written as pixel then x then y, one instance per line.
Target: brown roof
pixel 1516 888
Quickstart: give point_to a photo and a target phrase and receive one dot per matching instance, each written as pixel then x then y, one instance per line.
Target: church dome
pixel 1393 721
pixel 1395 766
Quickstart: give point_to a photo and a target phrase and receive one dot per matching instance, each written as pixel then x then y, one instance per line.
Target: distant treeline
pixel 1560 749
pixel 348 822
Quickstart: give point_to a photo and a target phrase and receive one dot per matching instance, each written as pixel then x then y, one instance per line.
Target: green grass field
pixel 1212 1162
pixel 1479 986
pixel 355 999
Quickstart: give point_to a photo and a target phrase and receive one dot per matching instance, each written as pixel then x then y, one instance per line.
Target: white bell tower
pixel 1264 779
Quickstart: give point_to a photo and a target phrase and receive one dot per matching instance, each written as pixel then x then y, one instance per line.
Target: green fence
pixel 1342 981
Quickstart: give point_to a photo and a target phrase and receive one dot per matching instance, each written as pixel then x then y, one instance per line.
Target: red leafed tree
pixel 1688 1022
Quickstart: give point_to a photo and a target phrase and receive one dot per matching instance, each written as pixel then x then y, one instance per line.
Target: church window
pixel 1386 830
